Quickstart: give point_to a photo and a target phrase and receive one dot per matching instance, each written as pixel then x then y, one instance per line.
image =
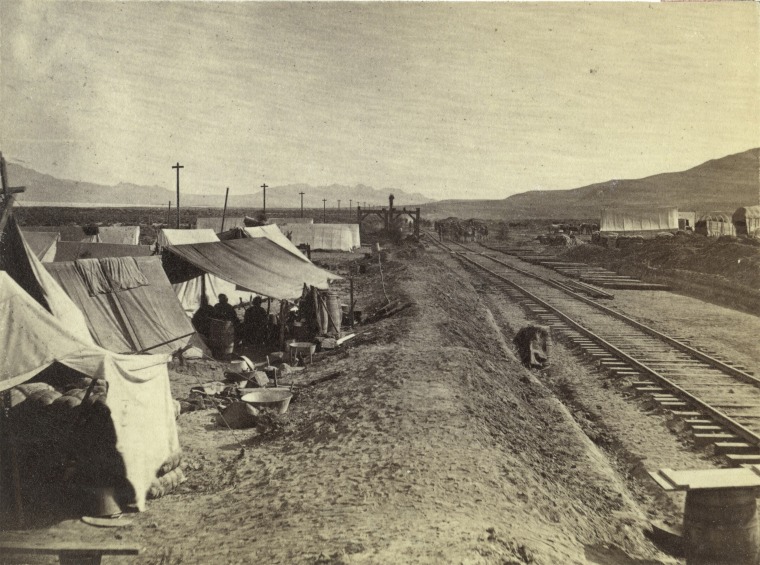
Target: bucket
pixel 329 314
pixel 274 398
pixel 221 338
pixel 720 526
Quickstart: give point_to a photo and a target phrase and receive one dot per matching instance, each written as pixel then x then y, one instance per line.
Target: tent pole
pixel 224 213
pixel 282 324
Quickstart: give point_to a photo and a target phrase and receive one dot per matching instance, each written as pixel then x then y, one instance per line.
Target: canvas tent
pixel 123 235
pixel 747 221
pixel 270 232
pixel 44 244
pixel 73 250
pixel 715 224
pixel 216 223
pixel 44 327
pixel 256 264
pixel 639 221
pixel 327 237
pixel 189 291
pixel 128 303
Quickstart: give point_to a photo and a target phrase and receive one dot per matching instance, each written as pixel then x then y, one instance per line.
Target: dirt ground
pixel 427 442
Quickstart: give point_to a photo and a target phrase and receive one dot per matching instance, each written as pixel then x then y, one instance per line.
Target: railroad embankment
pixel 724 270
pixel 426 443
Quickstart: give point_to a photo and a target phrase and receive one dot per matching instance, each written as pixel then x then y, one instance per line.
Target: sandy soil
pixel 428 444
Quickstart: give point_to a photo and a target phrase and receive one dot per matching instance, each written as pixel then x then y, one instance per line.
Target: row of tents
pixel 745 221
pixel 113 311
pixel 301 231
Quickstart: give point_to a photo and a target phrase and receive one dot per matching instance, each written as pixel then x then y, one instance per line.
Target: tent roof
pixel 273 234
pixel 73 250
pixel 184 237
pixel 256 264
pixel 128 302
pixel 715 217
pixel 746 212
pixel 40 242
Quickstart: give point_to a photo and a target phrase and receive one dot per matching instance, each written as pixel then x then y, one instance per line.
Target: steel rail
pixel 735 426
pixel 718 364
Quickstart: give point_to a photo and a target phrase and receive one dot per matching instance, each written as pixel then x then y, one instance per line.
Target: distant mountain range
pixel 718 185
pixel 46 188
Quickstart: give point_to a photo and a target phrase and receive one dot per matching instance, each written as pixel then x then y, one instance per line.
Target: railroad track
pixel 718 401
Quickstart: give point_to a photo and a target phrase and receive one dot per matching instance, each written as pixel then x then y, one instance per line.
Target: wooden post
pixel 351 301
pixel 283 311
pixel 302 193
pixel 178 167
pixel 224 213
pixel 417 223
pixel 265 186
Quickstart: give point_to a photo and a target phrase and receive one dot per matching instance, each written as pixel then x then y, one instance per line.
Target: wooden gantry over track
pixel 389 215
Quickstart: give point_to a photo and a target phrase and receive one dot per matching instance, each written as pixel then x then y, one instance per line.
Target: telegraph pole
pixel 178 167
pixel 302 193
pixel 350 205
pixel 264 186
pixel 339 205
pixel 324 210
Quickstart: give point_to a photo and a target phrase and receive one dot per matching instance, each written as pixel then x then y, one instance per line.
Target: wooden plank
pixel 41 547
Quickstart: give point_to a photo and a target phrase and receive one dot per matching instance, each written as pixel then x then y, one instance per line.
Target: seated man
pixel 255 324
pixel 223 310
pixel 202 318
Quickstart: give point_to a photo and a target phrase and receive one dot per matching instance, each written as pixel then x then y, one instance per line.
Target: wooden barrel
pixel 221 338
pixel 720 527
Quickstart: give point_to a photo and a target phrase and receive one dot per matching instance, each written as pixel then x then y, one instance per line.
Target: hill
pixel 49 189
pixel 720 184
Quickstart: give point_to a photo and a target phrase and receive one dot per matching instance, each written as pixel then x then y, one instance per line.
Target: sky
pixel 453 100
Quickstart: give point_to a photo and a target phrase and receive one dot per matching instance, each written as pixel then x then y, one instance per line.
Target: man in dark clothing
pixel 255 324
pixel 224 311
pixel 202 318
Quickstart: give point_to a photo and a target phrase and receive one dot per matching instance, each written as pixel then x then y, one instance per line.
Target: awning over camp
pixel 256 264
pixel 190 291
pixel 327 237
pixel 73 250
pixel 128 303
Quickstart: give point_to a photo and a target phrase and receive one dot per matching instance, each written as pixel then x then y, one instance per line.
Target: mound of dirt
pixel 735 259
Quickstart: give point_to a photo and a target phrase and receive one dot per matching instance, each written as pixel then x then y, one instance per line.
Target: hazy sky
pixel 449 99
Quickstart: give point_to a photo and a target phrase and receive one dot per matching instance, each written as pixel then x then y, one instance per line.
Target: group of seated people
pixel 253 330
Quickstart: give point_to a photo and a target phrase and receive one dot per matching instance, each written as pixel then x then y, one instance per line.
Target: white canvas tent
pixel 189 292
pixel 639 221
pixel 139 395
pixel 327 237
